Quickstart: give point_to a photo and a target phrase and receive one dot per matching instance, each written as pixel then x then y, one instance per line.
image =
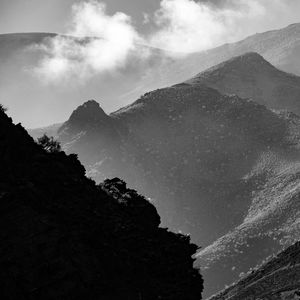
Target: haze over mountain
pixel 51 103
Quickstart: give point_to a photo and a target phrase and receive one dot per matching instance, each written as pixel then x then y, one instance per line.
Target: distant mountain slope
pixel 251 76
pixel 279 278
pixel 16 42
pixel 19 54
pixel 280 47
pixel 49 130
pixel 64 237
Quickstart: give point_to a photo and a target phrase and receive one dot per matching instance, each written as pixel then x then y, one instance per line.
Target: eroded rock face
pixel 63 237
pixel 278 279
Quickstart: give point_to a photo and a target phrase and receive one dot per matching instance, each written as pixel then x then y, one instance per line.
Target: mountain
pixel 64 237
pixel 251 76
pixel 211 164
pixel 220 162
pixel 51 103
pixel 277 279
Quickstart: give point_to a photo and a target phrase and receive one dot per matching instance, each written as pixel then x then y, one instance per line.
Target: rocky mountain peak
pixel 89 114
pixel 247 64
pixel 89 109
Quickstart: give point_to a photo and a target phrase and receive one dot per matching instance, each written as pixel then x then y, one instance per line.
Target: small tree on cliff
pixel 2 108
pixel 49 144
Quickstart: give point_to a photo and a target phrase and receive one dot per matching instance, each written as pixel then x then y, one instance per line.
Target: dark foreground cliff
pixel 63 237
pixel 278 279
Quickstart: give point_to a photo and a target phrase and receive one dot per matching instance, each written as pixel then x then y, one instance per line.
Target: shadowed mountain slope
pixel 63 237
pixel 251 76
pixel 277 279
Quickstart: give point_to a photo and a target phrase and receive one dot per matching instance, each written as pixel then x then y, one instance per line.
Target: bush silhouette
pixel 49 144
pixel 2 108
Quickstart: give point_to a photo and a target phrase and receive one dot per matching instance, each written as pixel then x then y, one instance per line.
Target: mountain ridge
pixel 251 76
pixel 280 47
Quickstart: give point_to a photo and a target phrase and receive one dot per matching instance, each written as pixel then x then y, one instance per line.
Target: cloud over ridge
pixel 105 42
pixel 102 43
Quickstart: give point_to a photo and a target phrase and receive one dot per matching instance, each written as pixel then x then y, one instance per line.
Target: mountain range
pixel 214 146
pixel 218 166
pixel 251 76
pixel 20 54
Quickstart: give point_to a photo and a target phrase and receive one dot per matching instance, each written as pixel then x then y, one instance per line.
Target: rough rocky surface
pixel 63 237
pixel 278 279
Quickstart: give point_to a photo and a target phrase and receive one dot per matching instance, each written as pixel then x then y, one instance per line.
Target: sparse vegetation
pixel 49 144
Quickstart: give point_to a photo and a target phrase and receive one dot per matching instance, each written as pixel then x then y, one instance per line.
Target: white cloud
pixel 190 26
pixel 112 39
pixel 181 27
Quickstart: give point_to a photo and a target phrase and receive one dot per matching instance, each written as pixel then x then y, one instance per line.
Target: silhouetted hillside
pixel 63 237
pixel 277 279
pixel 251 76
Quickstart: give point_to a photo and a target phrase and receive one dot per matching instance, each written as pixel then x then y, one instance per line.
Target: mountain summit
pixel 244 65
pixel 251 76
pixel 89 113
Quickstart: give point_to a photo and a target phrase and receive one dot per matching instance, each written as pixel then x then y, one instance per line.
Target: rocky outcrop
pixel 63 237
pixel 278 279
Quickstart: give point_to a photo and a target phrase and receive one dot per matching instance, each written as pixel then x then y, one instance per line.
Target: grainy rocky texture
pixel 279 279
pixel 63 237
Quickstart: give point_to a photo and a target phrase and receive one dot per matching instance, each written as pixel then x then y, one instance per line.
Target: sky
pixel 53 15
